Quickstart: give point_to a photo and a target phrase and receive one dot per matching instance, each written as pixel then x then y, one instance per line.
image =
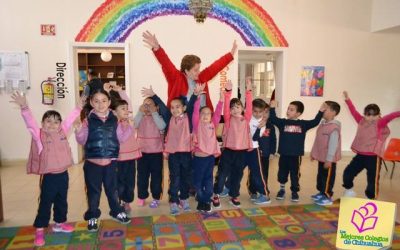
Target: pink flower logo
pixel 363 218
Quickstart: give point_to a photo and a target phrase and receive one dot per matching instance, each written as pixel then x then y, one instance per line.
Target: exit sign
pixel 48 29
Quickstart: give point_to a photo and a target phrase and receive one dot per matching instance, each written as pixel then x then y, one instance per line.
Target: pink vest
pixel 320 147
pixel 149 136
pixel 130 149
pixel 237 136
pixel 55 157
pixel 178 136
pixel 367 141
pixel 205 140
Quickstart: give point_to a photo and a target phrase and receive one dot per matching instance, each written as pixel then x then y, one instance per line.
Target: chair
pixel 392 153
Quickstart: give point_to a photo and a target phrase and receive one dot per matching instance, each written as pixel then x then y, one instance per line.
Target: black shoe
pixel 122 218
pixel 281 194
pixel 295 197
pixel 215 201
pixel 93 225
pixel 235 202
pixel 207 207
pixel 200 206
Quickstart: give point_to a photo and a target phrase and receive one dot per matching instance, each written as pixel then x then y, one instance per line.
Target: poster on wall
pixel 14 71
pixel 312 81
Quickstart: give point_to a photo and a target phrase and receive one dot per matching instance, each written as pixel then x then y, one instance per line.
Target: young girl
pixel 368 145
pixel 129 153
pixel 150 128
pixel 178 149
pixel 236 143
pixel 101 135
pixel 50 157
pixel 206 148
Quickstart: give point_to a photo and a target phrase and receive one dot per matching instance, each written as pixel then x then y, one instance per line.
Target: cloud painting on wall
pixel 312 81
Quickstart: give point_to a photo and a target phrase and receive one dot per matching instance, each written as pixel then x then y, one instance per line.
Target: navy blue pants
pixel 126 180
pixel 257 183
pixel 150 166
pixel 326 179
pixel 373 166
pixel 179 165
pixel 53 190
pixel 95 177
pixel 290 165
pixel 203 177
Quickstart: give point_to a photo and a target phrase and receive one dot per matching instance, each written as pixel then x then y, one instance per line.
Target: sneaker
pixel 93 225
pixel 207 207
pixel 216 202
pixel 127 208
pixel 201 206
pixel 63 228
pixel 349 193
pixel 140 202
pixel 235 202
pixel 324 201
pixel 154 204
pixel 174 209
pixel 122 218
pixel 39 238
pixel 317 196
pixel 262 199
pixel 184 204
pixel 281 194
pixel 224 193
pixel 295 197
pixel 253 197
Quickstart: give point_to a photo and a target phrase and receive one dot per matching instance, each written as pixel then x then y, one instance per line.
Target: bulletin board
pixel 14 71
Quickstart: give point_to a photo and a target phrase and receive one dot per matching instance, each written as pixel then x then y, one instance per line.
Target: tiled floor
pixel 20 192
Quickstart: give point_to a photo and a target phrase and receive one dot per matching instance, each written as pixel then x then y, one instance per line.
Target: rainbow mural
pixel 114 20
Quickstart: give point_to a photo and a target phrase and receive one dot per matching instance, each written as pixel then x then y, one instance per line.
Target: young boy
pixel 266 138
pixel 292 134
pixel 327 151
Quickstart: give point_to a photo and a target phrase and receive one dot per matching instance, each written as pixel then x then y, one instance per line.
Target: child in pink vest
pixel 327 151
pixel 101 135
pixel 150 127
pixel 129 153
pixel 206 148
pixel 50 157
pixel 237 142
pixel 368 145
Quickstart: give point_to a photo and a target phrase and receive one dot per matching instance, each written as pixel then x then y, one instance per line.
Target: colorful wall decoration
pixel 312 81
pixel 114 20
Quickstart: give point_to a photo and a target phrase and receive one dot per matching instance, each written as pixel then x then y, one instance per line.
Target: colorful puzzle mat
pixel 268 227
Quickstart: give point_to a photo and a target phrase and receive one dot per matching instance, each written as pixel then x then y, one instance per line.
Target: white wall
pixel 385 14
pixel 318 32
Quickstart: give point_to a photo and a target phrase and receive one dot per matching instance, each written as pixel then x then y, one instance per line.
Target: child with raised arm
pixel 101 135
pixel 368 144
pixel 206 148
pixel 50 157
pixel 292 134
pixel 129 152
pixel 237 142
pixel 327 151
pixel 150 127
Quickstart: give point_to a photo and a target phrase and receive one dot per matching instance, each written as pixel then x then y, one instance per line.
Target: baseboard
pixel 15 162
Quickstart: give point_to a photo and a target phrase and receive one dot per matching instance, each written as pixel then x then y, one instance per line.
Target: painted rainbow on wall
pixel 114 20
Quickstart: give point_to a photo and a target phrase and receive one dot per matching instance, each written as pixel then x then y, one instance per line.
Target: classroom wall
pixel 318 32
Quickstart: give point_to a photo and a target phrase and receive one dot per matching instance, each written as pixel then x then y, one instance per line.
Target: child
pixel 236 143
pixel 264 135
pixel 368 145
pixel 150 127
pixel 327 151
pixel 292 134
pixel 206 148
pixel 50 157
pixel 129 153
pixel 178 148
pixel 101 135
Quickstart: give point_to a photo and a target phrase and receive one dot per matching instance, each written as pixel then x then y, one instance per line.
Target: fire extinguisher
pixel 47 88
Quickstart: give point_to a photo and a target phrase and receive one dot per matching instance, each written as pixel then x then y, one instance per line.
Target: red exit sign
pixel 48 29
